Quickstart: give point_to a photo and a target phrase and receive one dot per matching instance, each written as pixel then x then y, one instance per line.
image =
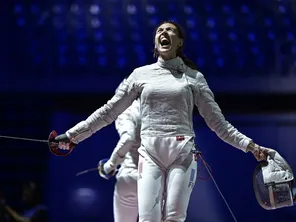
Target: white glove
pixel 108 167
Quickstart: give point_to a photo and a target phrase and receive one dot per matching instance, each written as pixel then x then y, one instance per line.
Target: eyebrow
pixel 170 27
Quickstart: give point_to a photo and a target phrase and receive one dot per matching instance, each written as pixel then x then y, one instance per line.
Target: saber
pixel 89 170
pixel 26 139
pixel 54 147
pixel 86 171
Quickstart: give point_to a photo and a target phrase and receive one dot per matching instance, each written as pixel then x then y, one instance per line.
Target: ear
pixel 181 42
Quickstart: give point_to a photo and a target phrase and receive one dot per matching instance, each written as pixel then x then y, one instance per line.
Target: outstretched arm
pixel 211 112
pixel 123 98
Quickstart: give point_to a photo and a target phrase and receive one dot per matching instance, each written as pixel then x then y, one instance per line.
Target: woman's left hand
pixel 261 153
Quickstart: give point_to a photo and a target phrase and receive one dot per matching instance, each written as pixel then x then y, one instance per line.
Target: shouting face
pixel 167 41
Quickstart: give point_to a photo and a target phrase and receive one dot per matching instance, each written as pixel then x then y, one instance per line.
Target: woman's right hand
pixel 64 142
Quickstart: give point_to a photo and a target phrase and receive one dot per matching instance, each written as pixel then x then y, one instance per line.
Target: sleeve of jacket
pixel 126 125
pixel 212 114
pixel 123 98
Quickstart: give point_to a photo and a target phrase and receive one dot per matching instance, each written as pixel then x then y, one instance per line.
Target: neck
pixel 161 60
pixel 167 57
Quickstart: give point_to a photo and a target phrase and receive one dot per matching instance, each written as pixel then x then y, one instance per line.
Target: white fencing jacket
pixel 167 91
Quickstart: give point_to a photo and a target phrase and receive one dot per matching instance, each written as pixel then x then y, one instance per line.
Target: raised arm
pixel 127 92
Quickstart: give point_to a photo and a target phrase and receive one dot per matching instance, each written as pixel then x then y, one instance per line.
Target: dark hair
pixel 180 53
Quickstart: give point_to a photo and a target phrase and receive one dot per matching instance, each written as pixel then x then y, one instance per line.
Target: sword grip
pixel 54 144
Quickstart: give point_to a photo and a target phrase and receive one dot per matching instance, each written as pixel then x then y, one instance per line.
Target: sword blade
pixel 26 139
pixel 86 171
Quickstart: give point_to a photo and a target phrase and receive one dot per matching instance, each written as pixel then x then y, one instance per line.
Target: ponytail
pixel 187 61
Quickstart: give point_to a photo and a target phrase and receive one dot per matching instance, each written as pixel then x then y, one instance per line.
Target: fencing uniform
pixel 168 91
pixel 125 199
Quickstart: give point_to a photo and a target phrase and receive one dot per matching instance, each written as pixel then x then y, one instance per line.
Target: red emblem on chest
pixel 180 138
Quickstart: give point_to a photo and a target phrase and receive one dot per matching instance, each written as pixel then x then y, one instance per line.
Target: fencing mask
pixel 273 182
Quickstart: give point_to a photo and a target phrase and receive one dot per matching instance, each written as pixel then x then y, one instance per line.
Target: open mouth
pixel 164 42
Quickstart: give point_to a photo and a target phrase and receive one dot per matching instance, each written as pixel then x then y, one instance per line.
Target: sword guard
pixel 54 146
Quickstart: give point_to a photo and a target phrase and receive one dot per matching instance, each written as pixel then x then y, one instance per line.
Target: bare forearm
pixel 16 216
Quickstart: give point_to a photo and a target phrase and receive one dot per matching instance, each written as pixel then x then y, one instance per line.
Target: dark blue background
pixel 61 60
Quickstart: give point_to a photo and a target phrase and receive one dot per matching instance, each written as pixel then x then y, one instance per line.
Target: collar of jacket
pixel 172 64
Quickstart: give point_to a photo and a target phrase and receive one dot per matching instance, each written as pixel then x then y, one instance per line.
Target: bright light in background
pixel 94 9
pixel 131 9
pixel 83 23
pixel 282 9
pixel 84 197
pixel 95 23
pixel 188 9
pixel 150 9
pixel 84 201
